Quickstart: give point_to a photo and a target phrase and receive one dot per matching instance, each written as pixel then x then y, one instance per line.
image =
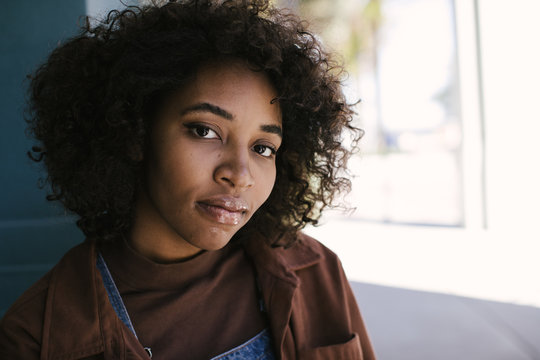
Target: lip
pixel 225 210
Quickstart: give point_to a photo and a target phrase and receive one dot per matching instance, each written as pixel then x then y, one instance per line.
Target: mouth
pixel 224 209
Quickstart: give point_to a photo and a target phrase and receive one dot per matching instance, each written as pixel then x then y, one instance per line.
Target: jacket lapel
pixel 275 268
pixel 72 305
pixel 79 320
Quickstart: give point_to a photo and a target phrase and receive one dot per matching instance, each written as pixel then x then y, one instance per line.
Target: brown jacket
pixel 67 314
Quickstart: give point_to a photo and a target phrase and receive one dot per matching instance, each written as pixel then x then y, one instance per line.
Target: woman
pixel 194 140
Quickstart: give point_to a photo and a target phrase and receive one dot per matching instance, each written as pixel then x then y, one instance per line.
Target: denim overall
pixel 259 347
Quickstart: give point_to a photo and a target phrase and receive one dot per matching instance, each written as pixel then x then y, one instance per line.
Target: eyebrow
pixel 272 129
pixel 216 110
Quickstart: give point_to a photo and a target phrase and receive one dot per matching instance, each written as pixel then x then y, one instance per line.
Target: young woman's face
pixel 211 163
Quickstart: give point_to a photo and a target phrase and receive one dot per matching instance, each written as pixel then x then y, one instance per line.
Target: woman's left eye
pixel 264 150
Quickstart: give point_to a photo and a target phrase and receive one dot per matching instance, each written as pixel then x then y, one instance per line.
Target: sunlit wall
pixel 446 191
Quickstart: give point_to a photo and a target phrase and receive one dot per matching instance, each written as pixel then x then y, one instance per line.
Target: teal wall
pixel 33 233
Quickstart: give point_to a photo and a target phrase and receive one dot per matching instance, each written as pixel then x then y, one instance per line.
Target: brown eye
pixel 264 150
pixel 202 131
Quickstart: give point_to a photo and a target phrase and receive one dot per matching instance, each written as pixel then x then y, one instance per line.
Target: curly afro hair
pixel 92 102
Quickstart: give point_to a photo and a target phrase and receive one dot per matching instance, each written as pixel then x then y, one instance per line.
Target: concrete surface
pixel 416 325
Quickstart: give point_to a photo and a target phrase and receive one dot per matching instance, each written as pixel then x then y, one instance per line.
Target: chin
pixel 215 239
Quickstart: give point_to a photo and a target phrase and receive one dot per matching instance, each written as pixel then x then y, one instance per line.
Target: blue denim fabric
pixel 115 298
pixel 256 348
pixel 114 295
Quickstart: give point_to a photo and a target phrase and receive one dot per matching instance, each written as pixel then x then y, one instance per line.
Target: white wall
pixel 510 53
pixel 500 86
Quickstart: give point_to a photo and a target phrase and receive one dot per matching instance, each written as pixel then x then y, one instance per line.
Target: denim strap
pixel 257 348
pixel 115 298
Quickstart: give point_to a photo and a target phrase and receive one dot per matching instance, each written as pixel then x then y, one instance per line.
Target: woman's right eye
pixel 202 131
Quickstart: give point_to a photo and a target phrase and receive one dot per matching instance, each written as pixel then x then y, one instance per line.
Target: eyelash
pixel 272 150
pixel 193 128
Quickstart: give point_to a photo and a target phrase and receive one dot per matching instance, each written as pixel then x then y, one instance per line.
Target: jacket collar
pixel 283 262
pixel 276 273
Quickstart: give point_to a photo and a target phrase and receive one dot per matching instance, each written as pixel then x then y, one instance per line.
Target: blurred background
pixel 443 246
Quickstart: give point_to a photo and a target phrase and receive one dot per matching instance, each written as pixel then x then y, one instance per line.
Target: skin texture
pixel 210 163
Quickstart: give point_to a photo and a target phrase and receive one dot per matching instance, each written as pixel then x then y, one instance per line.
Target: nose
pixel 234 170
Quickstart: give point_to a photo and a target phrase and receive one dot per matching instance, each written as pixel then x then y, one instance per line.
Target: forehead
pixel 234 87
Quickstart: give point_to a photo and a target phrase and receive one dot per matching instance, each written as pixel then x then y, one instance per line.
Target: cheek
pixel 174 169
pixel 267 181
pixel 185 172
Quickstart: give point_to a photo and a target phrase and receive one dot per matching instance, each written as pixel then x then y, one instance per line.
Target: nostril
pixel 237 176
pixel 227 180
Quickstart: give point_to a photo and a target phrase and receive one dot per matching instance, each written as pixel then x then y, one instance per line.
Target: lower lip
pixel 220 215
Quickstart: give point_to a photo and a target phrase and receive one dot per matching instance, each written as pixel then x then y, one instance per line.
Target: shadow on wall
pixel 33 232
pixel 28 249
pixel 415 325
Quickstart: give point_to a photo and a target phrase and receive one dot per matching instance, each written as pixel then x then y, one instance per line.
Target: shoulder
pixel 320 277
pixel 324 259
pixel 306 257
pixel 326 254
pixel 324 308
pixel 21 327
pixel 38 290
pixel 34 294
pixel 325 270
